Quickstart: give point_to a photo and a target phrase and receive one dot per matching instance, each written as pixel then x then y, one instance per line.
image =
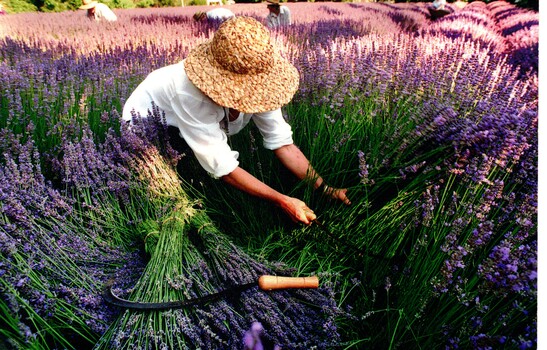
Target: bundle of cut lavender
pixel 190 258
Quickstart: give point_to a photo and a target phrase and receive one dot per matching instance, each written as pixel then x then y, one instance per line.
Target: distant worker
pixel 439 4
pixel 219 15
pixel 279 15
pixel 438 9
pixel 98 11
pixel 2 11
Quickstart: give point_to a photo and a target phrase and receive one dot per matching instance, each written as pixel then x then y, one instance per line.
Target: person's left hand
pixel 338 194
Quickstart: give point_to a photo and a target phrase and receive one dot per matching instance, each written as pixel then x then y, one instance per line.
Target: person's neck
pixel 232 114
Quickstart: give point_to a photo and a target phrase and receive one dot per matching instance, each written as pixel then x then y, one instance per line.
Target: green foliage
pixel 56 6
pixel 195 2
pixel 166 3
pixel 145 3
pixel 17 6
pixel 123 4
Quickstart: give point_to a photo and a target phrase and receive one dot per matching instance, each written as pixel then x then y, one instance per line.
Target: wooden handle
pixel 278 282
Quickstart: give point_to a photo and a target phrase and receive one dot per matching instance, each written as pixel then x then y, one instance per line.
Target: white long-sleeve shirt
pixel 219 14
pixel 199 119
pixel 103 12
pixel 283 19
pixel 439 4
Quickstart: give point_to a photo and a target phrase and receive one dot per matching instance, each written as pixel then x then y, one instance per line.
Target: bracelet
pixel 323 187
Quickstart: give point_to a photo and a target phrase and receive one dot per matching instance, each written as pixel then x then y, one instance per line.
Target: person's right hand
pixel 298 211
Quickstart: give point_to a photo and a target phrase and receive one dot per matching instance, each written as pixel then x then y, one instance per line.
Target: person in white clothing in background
pixel 226 82
pixel 98 11
pixel 438 4
pixel 219 14
pixel 278 16
pixel 438 9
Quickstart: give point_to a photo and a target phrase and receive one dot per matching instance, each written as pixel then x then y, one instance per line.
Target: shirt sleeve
pixel 195 115
pixel 270 21
pixel 287 16
pixel 102 11
pixel 276 132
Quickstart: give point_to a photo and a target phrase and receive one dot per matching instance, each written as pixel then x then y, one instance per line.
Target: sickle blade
pixel 113 299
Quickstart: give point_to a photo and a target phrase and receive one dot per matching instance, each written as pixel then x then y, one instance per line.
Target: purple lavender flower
pixel 251 338
pixel 363 169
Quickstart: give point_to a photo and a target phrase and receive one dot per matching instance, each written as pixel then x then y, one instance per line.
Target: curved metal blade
pixel 111 298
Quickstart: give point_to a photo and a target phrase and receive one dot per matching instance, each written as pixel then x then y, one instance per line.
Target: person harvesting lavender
pixel 219 14
pixel 438 9
pixel 223 84
pixel 98 11
pixel 278 15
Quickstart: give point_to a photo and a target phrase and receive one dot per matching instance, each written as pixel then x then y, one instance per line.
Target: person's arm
pixel 297 210
pixel 102 11
pixel 294 160
pixel 288 16
pixel 270 21
pixel 277 134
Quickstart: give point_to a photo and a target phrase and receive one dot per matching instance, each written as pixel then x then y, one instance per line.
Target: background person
pixel 218 14
pixel 438 9
pixel 438 4
pixel 278 16
pixel 223 84
pixel 98 11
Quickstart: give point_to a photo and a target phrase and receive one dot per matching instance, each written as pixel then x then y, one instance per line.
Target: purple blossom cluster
pixel 511 267
pixel 51 270
pixel 473 102
pixel 363 169
pixel 520 29
pixel 474 23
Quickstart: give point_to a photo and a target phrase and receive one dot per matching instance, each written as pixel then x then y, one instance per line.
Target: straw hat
pixel 88 4
pixel 273 2
pixel 240 68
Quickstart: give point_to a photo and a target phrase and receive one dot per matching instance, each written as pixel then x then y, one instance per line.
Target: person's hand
pixel 336 193
pixel 339 194
pixel 298 211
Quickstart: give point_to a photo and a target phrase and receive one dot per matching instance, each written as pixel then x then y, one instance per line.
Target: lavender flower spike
pixel 251 339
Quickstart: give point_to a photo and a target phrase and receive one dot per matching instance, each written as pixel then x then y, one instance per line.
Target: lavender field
pixel 431 125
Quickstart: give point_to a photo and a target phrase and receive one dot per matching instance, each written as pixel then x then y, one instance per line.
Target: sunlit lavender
pixel 431 125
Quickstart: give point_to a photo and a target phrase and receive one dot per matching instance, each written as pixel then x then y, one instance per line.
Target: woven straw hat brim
pixel 247 93
pixel 88 6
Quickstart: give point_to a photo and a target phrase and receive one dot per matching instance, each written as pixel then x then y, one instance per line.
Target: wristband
pixel 323 187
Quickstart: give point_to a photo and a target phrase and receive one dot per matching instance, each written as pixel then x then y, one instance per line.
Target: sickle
pixel 265 282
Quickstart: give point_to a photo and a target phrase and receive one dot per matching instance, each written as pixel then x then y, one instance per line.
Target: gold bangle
pixel 323 187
